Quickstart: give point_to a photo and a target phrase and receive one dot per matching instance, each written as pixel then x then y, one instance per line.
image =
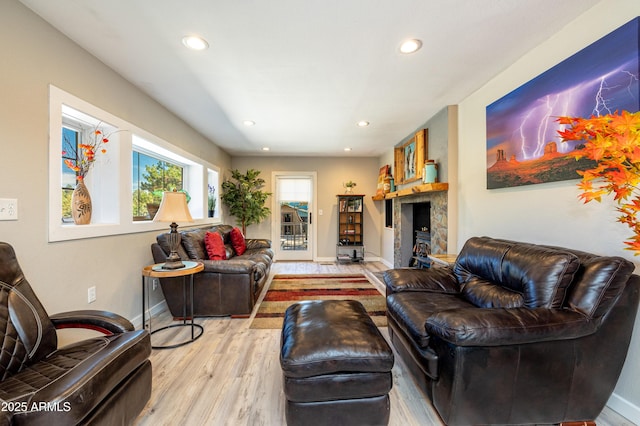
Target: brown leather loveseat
pixel 515 333
pixel 104 380
pixel 225 287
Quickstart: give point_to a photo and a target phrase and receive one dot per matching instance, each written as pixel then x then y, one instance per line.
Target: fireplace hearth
pixel 421 212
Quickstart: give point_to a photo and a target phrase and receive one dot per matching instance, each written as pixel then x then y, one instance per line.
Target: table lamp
pixel 173 208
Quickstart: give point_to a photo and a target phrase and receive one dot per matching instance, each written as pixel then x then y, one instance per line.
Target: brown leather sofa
pixel 225 287
pixel 515 333
pixel 99 381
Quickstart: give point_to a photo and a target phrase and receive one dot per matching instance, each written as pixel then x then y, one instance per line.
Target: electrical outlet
pixel 91 294
pixel 8 209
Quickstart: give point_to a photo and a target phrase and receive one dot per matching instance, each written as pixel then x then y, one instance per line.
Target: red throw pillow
pixel 238 242
pixel 215 246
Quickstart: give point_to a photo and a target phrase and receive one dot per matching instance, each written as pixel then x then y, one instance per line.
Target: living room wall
pixel 546 213
pixel 331 173
pixel 36 55
pixel 442 147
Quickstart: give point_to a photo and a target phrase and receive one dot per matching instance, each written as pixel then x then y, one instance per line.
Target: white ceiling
pixel 307 70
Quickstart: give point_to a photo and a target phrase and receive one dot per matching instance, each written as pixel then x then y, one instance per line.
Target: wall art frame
pixel 409 158
pixel 523 146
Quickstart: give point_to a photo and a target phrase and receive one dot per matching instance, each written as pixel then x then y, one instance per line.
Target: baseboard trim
pixel 386 263
pixel 334 260
pixel 154 310
pixel 624 408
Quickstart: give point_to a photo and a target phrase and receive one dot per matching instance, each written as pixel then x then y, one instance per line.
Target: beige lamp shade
pixel 173 208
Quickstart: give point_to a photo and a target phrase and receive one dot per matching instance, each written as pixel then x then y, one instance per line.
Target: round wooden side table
pixel 156 271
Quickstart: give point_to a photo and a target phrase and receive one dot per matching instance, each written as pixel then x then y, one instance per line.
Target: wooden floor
pixel 231 375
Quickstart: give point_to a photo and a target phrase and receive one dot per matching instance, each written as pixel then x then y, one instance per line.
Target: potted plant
pixel 211 201
pixel 349 185
pixel 613 142
pixel 245 198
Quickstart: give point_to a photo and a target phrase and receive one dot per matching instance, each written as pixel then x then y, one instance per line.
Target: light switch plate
pixel 8 209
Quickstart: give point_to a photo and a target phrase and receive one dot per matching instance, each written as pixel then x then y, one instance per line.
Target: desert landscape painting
pixel 523 146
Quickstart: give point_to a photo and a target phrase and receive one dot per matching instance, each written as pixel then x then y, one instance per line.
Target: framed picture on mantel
pixel 410 157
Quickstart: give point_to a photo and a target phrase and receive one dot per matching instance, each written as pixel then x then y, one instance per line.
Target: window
pixel 123 179
pixel 70 141
pixel 151 177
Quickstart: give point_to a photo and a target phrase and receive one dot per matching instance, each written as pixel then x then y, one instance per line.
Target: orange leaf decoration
pixel 613 141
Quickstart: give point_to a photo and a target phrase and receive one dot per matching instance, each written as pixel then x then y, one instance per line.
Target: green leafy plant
pixel 245 198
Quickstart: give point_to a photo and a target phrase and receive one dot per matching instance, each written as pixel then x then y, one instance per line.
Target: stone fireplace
pixel 405 223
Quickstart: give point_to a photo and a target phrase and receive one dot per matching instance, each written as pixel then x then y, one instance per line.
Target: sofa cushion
pixel 193 243
pixel 598 284
pixel 485 294
pixel 411 310
pixel 163 242
pixel 438 280
pixel 488 269
pixel 215 246
pixel 238 242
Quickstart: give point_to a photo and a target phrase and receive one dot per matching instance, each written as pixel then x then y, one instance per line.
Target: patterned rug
pixel 288 289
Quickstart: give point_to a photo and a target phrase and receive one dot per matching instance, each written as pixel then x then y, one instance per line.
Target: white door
pixel 293 230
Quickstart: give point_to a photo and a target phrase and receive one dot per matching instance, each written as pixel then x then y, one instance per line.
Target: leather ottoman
pixel 336 365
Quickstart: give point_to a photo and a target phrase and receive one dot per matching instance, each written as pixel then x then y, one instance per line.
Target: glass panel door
pixel 294 200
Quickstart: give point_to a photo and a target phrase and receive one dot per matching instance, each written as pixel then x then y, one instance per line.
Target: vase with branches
pixel 80 159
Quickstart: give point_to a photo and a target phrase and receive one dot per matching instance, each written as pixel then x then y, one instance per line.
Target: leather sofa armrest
pixel 235 265
pixel 5 416
pixel 256 243
pixel 440 280
pixel 503 327
pixel 102 321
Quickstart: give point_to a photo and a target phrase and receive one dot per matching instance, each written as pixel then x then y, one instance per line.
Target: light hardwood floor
pixel 231 375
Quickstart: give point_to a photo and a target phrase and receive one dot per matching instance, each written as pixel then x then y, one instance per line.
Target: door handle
pixel 310 218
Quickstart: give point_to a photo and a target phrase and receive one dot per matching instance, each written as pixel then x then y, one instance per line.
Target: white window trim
pixel 58 231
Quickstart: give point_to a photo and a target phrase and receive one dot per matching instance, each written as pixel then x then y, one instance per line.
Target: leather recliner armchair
pixel 515 333
pixel 98 381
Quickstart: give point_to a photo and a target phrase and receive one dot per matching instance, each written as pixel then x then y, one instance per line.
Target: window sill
pixel 68 232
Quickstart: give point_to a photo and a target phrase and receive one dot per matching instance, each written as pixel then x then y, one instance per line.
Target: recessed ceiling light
pixel 249 123
pixel 265 148
pixel 195 42
pixel 363 123
pixel 347 149
pixel 410 46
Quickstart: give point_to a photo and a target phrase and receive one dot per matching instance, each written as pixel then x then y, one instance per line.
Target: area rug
pixel 288 289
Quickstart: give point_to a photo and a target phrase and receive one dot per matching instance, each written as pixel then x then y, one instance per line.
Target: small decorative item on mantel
pixel 349 185
pixel 430 173
pixel 85 156
pixel 613 142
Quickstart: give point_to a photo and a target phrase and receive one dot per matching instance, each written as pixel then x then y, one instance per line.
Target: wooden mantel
pixel 414 190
